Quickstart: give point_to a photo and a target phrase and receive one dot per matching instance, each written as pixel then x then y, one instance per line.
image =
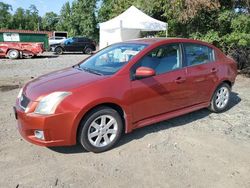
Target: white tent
pixel 128 26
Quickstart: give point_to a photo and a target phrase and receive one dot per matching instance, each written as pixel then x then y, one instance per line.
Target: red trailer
pixel 14 50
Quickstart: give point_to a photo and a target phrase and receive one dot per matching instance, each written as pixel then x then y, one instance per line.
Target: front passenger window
pixel 163 59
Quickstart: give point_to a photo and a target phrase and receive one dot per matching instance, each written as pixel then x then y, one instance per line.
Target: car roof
pixel 80 37
pixel 150 41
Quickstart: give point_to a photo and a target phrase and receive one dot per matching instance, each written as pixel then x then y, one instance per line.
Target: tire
pixel 59 50
pixel 88 51
pixel 13 54
pixel 221 98
pixel 100 130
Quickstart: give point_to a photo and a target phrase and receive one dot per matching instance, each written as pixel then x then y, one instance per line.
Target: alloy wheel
pixel 102 131
pixel 222 97
pixel 13 54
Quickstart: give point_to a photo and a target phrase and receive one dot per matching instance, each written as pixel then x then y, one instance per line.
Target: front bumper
pixel 58 128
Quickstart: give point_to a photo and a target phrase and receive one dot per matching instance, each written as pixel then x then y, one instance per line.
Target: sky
pixel 42 5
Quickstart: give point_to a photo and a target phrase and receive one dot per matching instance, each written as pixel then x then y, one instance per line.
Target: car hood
pixel 62 80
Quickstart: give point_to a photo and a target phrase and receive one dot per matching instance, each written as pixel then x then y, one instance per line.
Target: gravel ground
pixel 200 149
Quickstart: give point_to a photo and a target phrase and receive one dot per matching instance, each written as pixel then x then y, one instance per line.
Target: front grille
pixel 24 101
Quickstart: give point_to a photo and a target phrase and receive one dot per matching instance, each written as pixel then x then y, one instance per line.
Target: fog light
pixel 39 134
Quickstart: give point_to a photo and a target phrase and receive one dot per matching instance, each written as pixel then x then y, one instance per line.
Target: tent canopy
pixel 128 26
pixel 133 18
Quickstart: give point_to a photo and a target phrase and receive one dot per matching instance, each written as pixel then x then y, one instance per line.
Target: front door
pixel 166 91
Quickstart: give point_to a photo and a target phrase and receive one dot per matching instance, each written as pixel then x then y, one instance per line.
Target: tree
pixel 104 13
pixel 49 21
pixel 83 18
pixel 19 19
pixel 34 18
pixel 64 23
pixel 5 15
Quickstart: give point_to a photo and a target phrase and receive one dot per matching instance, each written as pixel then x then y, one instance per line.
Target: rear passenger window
pixel 83 40
pixel 198 54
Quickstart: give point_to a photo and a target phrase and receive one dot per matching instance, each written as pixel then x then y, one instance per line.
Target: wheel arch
pixel 226 81
pixel 112 105
pixel 212 107
pixel 60 47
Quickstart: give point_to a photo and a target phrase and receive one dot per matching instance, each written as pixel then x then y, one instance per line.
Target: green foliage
pixel 21 19
pixel 64 23
pixel 236 38
pixel 5 15
pixel 79 18
pixel 49 21
pixel 224 21
pixel 241 23
pixel 83 19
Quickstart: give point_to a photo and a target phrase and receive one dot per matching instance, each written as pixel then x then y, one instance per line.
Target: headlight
pixel 20 93
pixel 49 103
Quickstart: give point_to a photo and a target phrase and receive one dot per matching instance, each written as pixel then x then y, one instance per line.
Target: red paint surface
pixel 24 47
pixel 143 101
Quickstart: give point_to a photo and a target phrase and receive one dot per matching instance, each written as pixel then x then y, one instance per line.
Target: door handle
pixel 214 70
pixel 180 80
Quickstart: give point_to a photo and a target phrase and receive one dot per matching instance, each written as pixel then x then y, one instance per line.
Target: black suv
pixel 74 44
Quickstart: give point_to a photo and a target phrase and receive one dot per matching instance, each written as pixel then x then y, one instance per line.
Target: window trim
pixel 181 59
pixel 185 58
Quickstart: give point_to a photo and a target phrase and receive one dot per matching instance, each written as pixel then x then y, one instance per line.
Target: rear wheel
pixel 88 51
pixel 13 54
pixel 221 97
pixel 59 50
pixel 100 130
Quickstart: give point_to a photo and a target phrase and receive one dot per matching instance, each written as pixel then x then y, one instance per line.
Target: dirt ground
pixel 200 149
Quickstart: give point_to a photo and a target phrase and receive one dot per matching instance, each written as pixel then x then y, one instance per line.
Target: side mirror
pixel 144 72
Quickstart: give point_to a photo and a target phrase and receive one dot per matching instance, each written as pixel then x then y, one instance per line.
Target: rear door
pixel 202 71
pixel 82 43
pixel 70 45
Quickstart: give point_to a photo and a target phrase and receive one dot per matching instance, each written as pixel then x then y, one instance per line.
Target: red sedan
pixel 123 87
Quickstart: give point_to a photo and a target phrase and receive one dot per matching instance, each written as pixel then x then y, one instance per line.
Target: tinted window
pixel 59 38
pixel 83 40
pixel 198 54
pixel 69 41
pixel 163 59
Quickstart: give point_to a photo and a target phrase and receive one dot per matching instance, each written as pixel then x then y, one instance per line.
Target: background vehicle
pixel 14 50
pixel 56 40
pixel 22 43
pixel 123 87
pixel 57 37
pixel 75 44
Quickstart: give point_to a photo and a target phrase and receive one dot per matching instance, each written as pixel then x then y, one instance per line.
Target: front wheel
pixel 59 50
pixel 100 130
pixel 221 98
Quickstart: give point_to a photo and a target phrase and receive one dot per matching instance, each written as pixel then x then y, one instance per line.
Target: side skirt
pixel 169 115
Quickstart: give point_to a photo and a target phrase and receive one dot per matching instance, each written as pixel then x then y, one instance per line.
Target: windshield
pixel 111 59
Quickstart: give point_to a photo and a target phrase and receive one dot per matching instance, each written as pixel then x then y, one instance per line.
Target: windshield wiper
pixel 90 70
pixel 77 67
